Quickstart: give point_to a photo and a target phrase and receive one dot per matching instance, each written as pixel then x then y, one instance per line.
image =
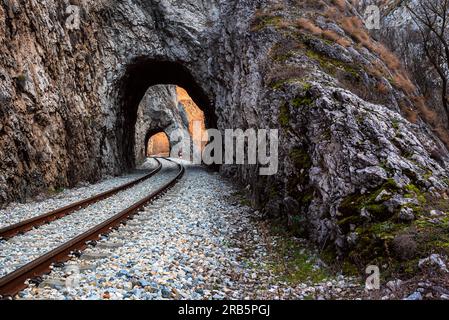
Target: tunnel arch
pixel 157 134
pixel 143 73
pixel 153 132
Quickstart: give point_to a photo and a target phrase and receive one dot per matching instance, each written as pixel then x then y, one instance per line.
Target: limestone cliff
pixel 354 160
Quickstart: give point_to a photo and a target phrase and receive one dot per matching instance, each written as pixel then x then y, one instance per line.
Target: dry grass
pixel 327 34
pixel 410 114
pixel 442 133
pixel 341 4
pixel 332 13
pixel 382 88
pixel 427 114
pixel 387 56
pixel 354 27
pixel 344 42
pixel 403 82
pixel 310 26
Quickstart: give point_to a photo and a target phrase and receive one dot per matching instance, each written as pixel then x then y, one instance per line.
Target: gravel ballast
pixel 22 249
pixel 193 243
pixel 17 212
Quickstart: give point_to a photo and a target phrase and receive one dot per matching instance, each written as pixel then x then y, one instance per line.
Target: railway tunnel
pixel 183 102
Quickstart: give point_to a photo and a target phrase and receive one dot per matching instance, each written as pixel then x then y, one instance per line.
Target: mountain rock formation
pixel 358 167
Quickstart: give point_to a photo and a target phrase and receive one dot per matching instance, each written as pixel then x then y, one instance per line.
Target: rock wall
pixel 70 102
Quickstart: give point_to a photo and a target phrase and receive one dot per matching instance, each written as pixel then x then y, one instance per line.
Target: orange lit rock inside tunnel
pixel 159 145
pixel 194 113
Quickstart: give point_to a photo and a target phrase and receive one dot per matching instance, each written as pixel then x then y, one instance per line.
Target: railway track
pixel 14 282
pixel 26 225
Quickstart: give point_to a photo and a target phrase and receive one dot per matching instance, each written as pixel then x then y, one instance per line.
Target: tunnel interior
pixel 142 74
pixel 157 145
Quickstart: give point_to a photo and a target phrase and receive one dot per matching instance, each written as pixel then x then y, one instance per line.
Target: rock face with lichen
pixel 353 159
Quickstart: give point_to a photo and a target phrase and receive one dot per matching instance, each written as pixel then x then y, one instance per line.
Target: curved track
pixel 13 282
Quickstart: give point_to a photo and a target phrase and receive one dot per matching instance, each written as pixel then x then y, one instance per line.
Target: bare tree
pixel 432 19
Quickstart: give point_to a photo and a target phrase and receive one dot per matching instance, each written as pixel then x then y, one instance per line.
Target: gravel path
pixel 16 212
pixel 20 250
pixel 196 242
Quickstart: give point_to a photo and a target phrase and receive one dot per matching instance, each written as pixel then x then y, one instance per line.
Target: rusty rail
pixel 12 283
pixel 26 225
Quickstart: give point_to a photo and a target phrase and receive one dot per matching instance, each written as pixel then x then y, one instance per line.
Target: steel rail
pixel 14 282
pixel 26 225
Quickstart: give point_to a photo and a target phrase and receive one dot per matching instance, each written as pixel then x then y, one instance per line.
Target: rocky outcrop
pixel 70 102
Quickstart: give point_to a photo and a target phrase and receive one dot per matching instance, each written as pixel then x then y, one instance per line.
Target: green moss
pixel 428 175
pixel 351 206
pixel 265 20
pixel 300 158
pixel 395 123
pixel 298 264
pixel 349 220
pixel 306 86
pixel 350 269
pixel 55 191
pixel 284 116
pixel 299 102
pixel 385 230
pixel 376 241
pixel 414 191
pixel 332 65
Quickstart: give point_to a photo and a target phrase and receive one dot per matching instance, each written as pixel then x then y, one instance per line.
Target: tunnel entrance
pixel 164 111
pixel 158 145
pixel 143 74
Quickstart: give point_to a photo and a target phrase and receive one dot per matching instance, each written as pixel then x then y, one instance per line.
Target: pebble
pixel 414 296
